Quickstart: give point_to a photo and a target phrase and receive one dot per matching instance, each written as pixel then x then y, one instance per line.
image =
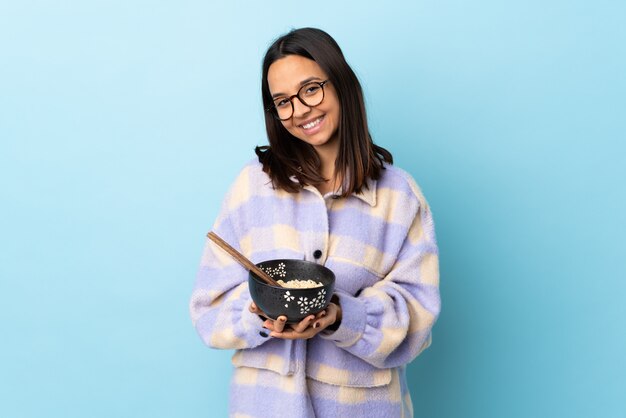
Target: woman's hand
pixel 278 324
pixel 308 327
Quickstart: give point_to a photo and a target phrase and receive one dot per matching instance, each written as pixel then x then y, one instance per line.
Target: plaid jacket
pixel 381 245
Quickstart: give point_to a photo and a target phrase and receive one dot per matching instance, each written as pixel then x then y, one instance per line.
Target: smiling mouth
pixel 314 123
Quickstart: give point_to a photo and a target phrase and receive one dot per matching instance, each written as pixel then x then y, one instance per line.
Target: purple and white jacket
pixel 381 246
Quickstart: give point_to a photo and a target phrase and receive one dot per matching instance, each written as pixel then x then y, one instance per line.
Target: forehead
pixel 285 74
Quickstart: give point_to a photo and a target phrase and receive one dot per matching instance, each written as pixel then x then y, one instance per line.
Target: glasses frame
pixel 274 111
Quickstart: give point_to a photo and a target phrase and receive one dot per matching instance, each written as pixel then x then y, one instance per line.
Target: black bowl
pixel 295 304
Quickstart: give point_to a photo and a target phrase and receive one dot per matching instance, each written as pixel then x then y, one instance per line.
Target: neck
pixel 328 155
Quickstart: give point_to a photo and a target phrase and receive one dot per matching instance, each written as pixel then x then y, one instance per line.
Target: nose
pixel 299 108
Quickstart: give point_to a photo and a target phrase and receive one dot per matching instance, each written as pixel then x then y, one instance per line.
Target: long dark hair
pixel 286 155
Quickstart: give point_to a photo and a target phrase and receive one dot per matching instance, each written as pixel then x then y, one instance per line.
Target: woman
pixel 321 191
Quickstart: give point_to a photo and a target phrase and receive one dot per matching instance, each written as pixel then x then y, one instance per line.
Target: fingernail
pixel 316 325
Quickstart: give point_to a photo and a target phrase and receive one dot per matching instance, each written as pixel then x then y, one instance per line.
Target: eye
pixel 311 89
pixel 281 102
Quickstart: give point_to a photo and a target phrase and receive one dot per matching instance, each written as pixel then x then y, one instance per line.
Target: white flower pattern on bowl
pixel 305 304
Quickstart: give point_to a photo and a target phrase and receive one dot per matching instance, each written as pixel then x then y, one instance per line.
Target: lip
pixel 310 120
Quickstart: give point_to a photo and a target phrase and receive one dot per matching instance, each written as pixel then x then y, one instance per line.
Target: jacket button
pixel 317 254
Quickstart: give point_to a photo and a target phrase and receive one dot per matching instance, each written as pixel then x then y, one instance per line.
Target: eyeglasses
pixel 311 94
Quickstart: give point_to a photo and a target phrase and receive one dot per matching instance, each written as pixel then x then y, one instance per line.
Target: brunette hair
pixel 286 155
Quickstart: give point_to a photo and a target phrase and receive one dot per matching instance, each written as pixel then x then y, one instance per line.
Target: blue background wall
pixel 123 123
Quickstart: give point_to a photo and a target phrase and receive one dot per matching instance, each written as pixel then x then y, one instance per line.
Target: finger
pixel 256 310
pixel 320 314
pixel 270 324
pixel 279 324
pixel 291 334
pixel 327 320
pixel 304 324
pixel 312 328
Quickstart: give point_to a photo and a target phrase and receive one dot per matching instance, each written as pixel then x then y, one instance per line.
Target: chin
pixel 315 142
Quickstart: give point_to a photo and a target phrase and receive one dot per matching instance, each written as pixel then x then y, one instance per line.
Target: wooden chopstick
pixel 247 264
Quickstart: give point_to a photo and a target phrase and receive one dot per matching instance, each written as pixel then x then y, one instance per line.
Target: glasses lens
pixel 283 108
pixel 312 94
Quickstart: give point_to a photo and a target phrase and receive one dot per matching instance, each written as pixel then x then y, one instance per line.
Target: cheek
pixel 336 110
pixel 288 126
pixel 293 130
pixel 336 118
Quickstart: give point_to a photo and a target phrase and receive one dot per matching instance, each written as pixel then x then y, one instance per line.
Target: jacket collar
pixel 367 194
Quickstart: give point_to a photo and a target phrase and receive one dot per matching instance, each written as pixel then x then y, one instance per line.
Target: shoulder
pixel 251 174
pixel 253 168
pixel 396 180
pixel 250 182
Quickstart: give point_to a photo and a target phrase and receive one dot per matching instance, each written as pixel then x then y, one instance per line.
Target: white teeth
pixel 312 124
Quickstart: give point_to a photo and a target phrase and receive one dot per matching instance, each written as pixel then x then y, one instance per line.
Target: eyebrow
pixel 302 83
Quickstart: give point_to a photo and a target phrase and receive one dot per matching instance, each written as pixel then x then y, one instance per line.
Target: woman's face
pixel 285 77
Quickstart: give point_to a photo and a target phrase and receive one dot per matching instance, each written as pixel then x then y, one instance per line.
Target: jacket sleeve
pixel 220 299
pixel 389 324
